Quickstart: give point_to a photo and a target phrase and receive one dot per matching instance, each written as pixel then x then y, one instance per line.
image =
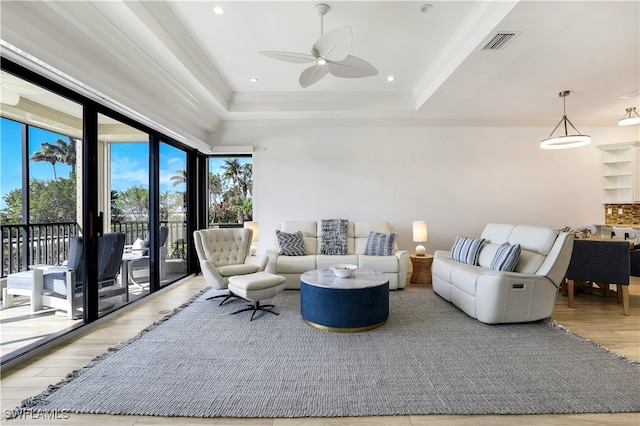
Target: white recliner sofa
pixel 291 267
pixel 526 294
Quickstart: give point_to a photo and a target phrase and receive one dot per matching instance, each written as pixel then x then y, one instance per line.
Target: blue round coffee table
pixel 358 303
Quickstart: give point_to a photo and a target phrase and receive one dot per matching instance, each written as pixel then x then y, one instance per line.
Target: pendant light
pixel 566 140
pixel 631 117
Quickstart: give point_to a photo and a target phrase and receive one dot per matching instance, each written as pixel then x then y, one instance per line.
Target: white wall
pixel 457 179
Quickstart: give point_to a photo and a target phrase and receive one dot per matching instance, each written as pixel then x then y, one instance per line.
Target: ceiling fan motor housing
pixel 321 8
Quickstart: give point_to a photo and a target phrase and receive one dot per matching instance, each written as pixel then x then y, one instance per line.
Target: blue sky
pixel 129 161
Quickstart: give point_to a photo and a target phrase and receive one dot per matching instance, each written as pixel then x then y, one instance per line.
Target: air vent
pixel 500 40
pixel 630 95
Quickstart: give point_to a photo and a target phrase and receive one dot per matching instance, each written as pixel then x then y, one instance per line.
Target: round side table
pixel 421 269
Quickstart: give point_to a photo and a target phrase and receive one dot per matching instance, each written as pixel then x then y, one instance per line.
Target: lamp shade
pixel 254 227
pixel 420 236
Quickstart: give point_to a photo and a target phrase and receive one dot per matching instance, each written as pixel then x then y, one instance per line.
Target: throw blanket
pixel 333 236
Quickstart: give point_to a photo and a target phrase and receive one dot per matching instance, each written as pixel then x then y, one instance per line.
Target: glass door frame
pixel 92 220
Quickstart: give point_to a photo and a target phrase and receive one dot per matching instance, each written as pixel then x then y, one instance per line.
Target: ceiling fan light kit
pixel 330 54
pixel 565 141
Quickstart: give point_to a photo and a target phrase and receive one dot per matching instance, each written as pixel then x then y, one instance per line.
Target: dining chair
pixel 623 233
pixel 600 263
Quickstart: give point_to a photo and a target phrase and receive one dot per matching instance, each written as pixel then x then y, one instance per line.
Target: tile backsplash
pixel 630 214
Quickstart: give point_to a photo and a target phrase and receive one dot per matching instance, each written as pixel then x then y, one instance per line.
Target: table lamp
pixel 254 227
pixel 420 236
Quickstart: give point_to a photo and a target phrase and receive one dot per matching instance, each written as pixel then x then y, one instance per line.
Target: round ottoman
pixel 256 287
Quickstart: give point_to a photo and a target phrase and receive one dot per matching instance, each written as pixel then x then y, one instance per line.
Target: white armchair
pixel 223 253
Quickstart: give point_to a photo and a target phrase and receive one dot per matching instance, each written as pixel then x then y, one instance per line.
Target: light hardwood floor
pixel 594 317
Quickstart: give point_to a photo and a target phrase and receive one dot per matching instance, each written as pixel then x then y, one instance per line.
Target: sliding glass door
pixel 173 213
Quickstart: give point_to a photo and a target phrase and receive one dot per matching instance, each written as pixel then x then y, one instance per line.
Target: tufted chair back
pixel 226 252
pixel 226 246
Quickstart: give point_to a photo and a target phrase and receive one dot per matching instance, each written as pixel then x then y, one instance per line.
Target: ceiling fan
pixel 330 54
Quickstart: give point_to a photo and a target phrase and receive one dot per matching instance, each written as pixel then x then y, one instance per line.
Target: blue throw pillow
pixel 291 244
pixel 506 257
pixel 466 250
pixel 380 244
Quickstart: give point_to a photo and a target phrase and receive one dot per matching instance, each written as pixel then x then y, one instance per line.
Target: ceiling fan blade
pixel 351 67
pixel 296 58
pixel 312 75
pixel 334 45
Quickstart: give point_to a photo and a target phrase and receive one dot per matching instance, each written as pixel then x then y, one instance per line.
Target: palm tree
pixel 240 175
pixel 232 170
pixel 48 154
pixel 67 152
pixel 181 177
pixel 58 152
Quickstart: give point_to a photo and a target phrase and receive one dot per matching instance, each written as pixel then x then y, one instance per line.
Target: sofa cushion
pixel 240 269
pixel 529 262
pixel 388 264
pixel 291 244
pixel 361 231
pixel 537 239
pixel 487 253
pixel 309 229
pixel 465 277
pixel 497 233
pixel 466 249
pixel 380 244
pixel 506 257
pixel 295 264
pixel 333 236
pixel 326 260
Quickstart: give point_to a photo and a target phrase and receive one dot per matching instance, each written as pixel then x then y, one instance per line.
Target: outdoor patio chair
pixel 139 268
pixel 224 253
pixel 62 286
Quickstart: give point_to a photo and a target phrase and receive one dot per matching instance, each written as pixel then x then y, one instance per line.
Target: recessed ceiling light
pixel 426 8
pixel 218 10
pixel 391 78
pixel 253 80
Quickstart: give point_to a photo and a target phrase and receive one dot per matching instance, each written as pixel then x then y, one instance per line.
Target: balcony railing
pixel 48 243
pixel 37 243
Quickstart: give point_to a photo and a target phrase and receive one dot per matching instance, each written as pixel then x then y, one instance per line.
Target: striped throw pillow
pixel 380 244
pixel 506 257
pixel 291 244
pixel 466 250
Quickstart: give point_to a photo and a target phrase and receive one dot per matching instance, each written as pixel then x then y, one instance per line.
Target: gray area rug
pixel 429 358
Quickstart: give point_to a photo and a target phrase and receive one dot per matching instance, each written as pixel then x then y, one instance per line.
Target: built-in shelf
pixel 621 180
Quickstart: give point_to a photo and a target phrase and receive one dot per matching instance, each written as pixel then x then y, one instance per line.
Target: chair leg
pixel 570 288
pixel 37 290
pixel 624 289
pixel 255 308
pixel 226 297
pixel 7 298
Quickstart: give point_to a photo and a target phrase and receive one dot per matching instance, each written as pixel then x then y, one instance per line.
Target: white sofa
pixel 291 267
pixel 526 294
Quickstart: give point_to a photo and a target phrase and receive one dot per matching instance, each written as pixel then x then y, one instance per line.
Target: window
pixel 230 190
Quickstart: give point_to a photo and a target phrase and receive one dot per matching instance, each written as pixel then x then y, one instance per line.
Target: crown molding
pixel 480 22
pixel 321 101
